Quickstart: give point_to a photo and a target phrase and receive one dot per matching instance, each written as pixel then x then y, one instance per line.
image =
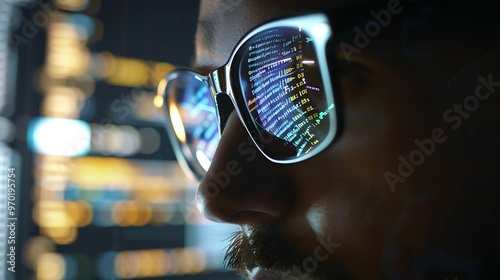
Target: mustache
pixel 264 247
pixel 259 247
pixel 268 247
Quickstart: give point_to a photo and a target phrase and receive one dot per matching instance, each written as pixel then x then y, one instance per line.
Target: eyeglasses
pixel 277 80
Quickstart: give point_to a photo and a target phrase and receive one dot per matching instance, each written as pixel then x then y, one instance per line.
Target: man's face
pixel 334 214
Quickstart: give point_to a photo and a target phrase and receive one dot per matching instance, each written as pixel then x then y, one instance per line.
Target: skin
pixel 341 195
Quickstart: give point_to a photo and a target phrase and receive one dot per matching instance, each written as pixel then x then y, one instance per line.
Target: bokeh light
pixel 51 266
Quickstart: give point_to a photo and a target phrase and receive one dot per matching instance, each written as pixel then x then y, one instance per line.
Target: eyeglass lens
pixel 283 91
pixel 193 116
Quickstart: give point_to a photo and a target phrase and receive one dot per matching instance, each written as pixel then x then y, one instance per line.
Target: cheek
pixel 346 183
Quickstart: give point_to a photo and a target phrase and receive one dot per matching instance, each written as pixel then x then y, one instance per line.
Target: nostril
pixel 245 204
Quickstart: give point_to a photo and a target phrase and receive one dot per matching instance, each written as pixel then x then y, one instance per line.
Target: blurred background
pixel 97 192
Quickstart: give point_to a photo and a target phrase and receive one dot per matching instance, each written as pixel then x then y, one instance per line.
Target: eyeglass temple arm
pixel 217 83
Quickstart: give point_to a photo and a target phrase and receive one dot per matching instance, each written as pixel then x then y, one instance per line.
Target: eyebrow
pixel 206 29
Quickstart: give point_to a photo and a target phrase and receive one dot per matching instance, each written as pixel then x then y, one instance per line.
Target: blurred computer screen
pixel 90 188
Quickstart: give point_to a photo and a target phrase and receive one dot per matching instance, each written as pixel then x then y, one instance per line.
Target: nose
pixel 241 185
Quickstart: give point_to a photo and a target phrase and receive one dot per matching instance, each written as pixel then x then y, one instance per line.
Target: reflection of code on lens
pixel 283 88
pixel 195 120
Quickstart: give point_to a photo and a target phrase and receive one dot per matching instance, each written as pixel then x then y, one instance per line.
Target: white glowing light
pixel 320 30
pixel 203 160
pixel 177 124
pixel 59 137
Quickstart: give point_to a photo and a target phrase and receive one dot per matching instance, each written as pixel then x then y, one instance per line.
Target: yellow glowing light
pixel 144 213
pixel 157 262
pixel 154 263
pixel 93 172
pixel 35 248
pixel 188 261
pixel 127 264
pixel 158 101
pixel 161 263
pixel 156 189
pixel 72 5
pixel 131 213
pixel 67 55
pixel 63 102
pixel 51 214
pixel 175 116
pixel 142 263
pixel 147 263
pixel 60 106
pixel 120 215
pixel 80 212
pixel 159 71
pixel 51 266
pixel 128 72
pixel 61 235
pixel 54 221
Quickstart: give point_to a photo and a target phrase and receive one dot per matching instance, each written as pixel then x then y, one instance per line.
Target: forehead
pixel 222 23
